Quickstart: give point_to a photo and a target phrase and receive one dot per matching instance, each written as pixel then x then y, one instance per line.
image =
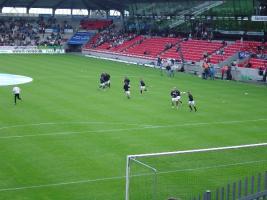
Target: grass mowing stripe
pixel 121 177
pixel 63 123
pixel 132 129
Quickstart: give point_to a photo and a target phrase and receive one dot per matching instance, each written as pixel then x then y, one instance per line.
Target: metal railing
pixel 251 188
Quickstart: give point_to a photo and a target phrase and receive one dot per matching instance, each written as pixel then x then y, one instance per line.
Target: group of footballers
pixel 104 80
pixel 127 86
pixel 176 99
pixel 175 93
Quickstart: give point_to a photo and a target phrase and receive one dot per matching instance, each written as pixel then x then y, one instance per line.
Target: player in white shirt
pixel 16 91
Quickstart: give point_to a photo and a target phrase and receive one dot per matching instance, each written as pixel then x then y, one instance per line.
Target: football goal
pixel 184 174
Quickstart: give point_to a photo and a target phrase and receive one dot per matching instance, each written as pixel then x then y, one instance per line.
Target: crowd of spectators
pixel 51 23
pixel 113 36
pixel 20 32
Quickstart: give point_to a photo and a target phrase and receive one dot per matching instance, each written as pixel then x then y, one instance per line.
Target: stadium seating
pixel 251 46
pixel 127 44
pixel 95 24
pixel 257 63
pixel 193 50
pixel 92 41
pixel 151 47
pixel 230 50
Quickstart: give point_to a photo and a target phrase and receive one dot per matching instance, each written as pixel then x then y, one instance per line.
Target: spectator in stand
pixel 224 43
pixel 206 57
pixel 229 73
pixel 223 70
pixel 190 36
pixel 248 65
pixel 168 70
pixel 159 60
pixel 18 32
pixel 265 72
pixel 168 46
pixel 220 52
pixel 205 67
pixel 212 72
pixel 172 70
pixel 178 48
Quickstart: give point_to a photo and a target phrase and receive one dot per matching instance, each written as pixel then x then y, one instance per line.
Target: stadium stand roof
pixel 74 4
pixel 62 4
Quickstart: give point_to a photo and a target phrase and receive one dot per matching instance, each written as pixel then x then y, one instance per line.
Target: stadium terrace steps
pixel 128 44
pixel 92 41
pixel 120 48
pixel 229 51
pixel 193 50
pixel 104 46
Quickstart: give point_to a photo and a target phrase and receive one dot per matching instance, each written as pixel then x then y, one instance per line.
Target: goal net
pixel 184 175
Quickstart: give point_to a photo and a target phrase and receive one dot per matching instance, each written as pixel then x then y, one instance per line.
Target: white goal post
pixel 135 158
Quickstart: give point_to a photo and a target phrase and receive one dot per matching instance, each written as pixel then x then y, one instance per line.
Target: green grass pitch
pixel 68 140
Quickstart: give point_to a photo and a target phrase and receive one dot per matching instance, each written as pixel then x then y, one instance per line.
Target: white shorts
pixel 142 87
pixel 108 82
pixel 127 93
pixel 191 103
pixel 176 99
pixel 102 84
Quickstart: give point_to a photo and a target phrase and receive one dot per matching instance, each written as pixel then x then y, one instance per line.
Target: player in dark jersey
pixel 126 88
pixel 175 97
pixel 191 102
pixel 142 86
pixel 107 80
pixel 102 81
pixel 126 80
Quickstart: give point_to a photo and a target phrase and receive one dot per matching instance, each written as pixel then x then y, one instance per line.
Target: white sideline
pixel 132 129
pixel 122 177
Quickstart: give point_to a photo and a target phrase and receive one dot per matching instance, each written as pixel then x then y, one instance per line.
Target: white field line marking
pixel 62 183
pixel 92 76
pixel 122 177
pixel 66 123
pixel 133 129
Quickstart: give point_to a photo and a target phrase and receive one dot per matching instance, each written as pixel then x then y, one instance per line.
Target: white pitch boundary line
pixel 122 177
pixel 133 129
